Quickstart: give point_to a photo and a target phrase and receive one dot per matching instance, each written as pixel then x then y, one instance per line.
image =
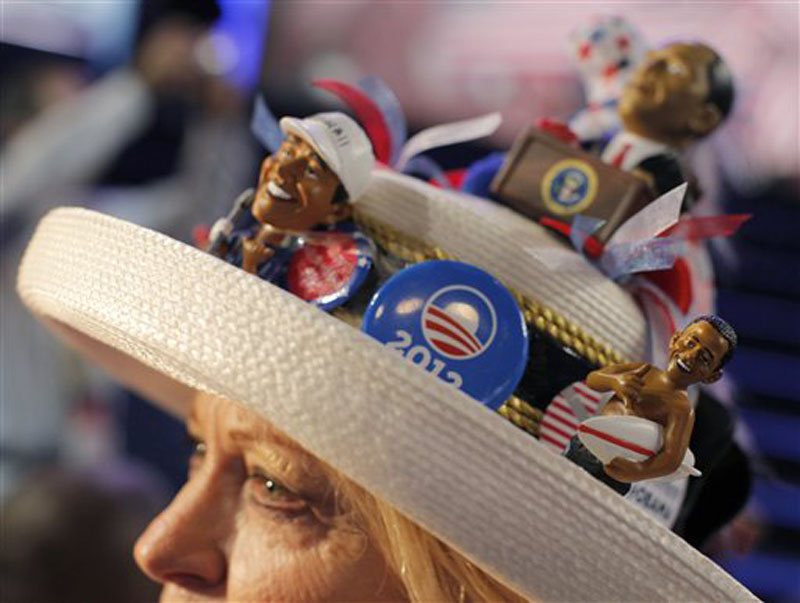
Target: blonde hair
pixel 426 567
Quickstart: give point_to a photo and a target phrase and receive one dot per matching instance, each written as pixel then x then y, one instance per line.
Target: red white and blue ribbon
pixel 368 114
pixel 377 109
pixel 387 103
pixel 379 112
pixel 265 126
pixel 653 238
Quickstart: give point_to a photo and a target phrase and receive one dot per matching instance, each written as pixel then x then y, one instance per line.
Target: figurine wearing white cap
pixel 324 162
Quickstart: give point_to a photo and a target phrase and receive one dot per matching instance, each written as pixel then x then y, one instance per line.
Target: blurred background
pixel 142 108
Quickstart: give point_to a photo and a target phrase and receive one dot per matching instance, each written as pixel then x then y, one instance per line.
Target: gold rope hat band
pixel 536 315
pixel 522 414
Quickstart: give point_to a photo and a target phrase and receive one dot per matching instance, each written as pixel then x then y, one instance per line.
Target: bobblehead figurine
pixel 643 396
pixel 324 162
pixel 294 229
pixel 678 95
pixel 606 52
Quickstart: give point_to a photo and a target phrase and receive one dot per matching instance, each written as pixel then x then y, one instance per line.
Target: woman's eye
pixel 311 171
pixel 268 492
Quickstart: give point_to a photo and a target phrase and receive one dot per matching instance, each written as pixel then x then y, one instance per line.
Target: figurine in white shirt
pixel 678 95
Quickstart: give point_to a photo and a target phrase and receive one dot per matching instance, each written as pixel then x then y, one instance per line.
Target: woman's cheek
pixel 339 566
pixel 342 548
pixel 268 573
pixel 288 562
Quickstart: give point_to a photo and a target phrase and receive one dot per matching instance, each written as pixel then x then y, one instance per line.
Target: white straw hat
pixel 166 318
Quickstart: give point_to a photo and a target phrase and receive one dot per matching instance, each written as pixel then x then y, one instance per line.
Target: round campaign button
pixel 329 268
pixel 569 187
pixel 457 322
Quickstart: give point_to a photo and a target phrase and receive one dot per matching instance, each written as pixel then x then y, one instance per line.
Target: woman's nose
pixel 183 544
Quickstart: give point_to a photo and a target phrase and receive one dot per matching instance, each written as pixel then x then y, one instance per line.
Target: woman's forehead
pixel 237 421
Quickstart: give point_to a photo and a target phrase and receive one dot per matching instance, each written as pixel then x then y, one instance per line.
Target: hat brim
pixel 169 319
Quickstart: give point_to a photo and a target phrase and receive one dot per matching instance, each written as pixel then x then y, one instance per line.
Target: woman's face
pixel 257 520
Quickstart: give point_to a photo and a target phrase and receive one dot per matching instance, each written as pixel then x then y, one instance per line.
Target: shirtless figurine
pixel 696 355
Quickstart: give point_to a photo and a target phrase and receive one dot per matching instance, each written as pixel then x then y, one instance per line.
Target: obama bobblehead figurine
pixel 678 95
pixel 696 355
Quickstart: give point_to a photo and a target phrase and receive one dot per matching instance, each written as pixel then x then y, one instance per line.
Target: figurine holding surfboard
pixel 651 405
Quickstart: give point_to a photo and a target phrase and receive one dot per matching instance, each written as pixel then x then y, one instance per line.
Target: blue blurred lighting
pixel 244 23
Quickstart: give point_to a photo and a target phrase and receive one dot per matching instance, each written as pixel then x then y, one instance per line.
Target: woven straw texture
pixel 134 299
pixel 519 252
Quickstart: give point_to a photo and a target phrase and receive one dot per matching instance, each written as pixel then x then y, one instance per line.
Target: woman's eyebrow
pixel 277 451
pixel 244 435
